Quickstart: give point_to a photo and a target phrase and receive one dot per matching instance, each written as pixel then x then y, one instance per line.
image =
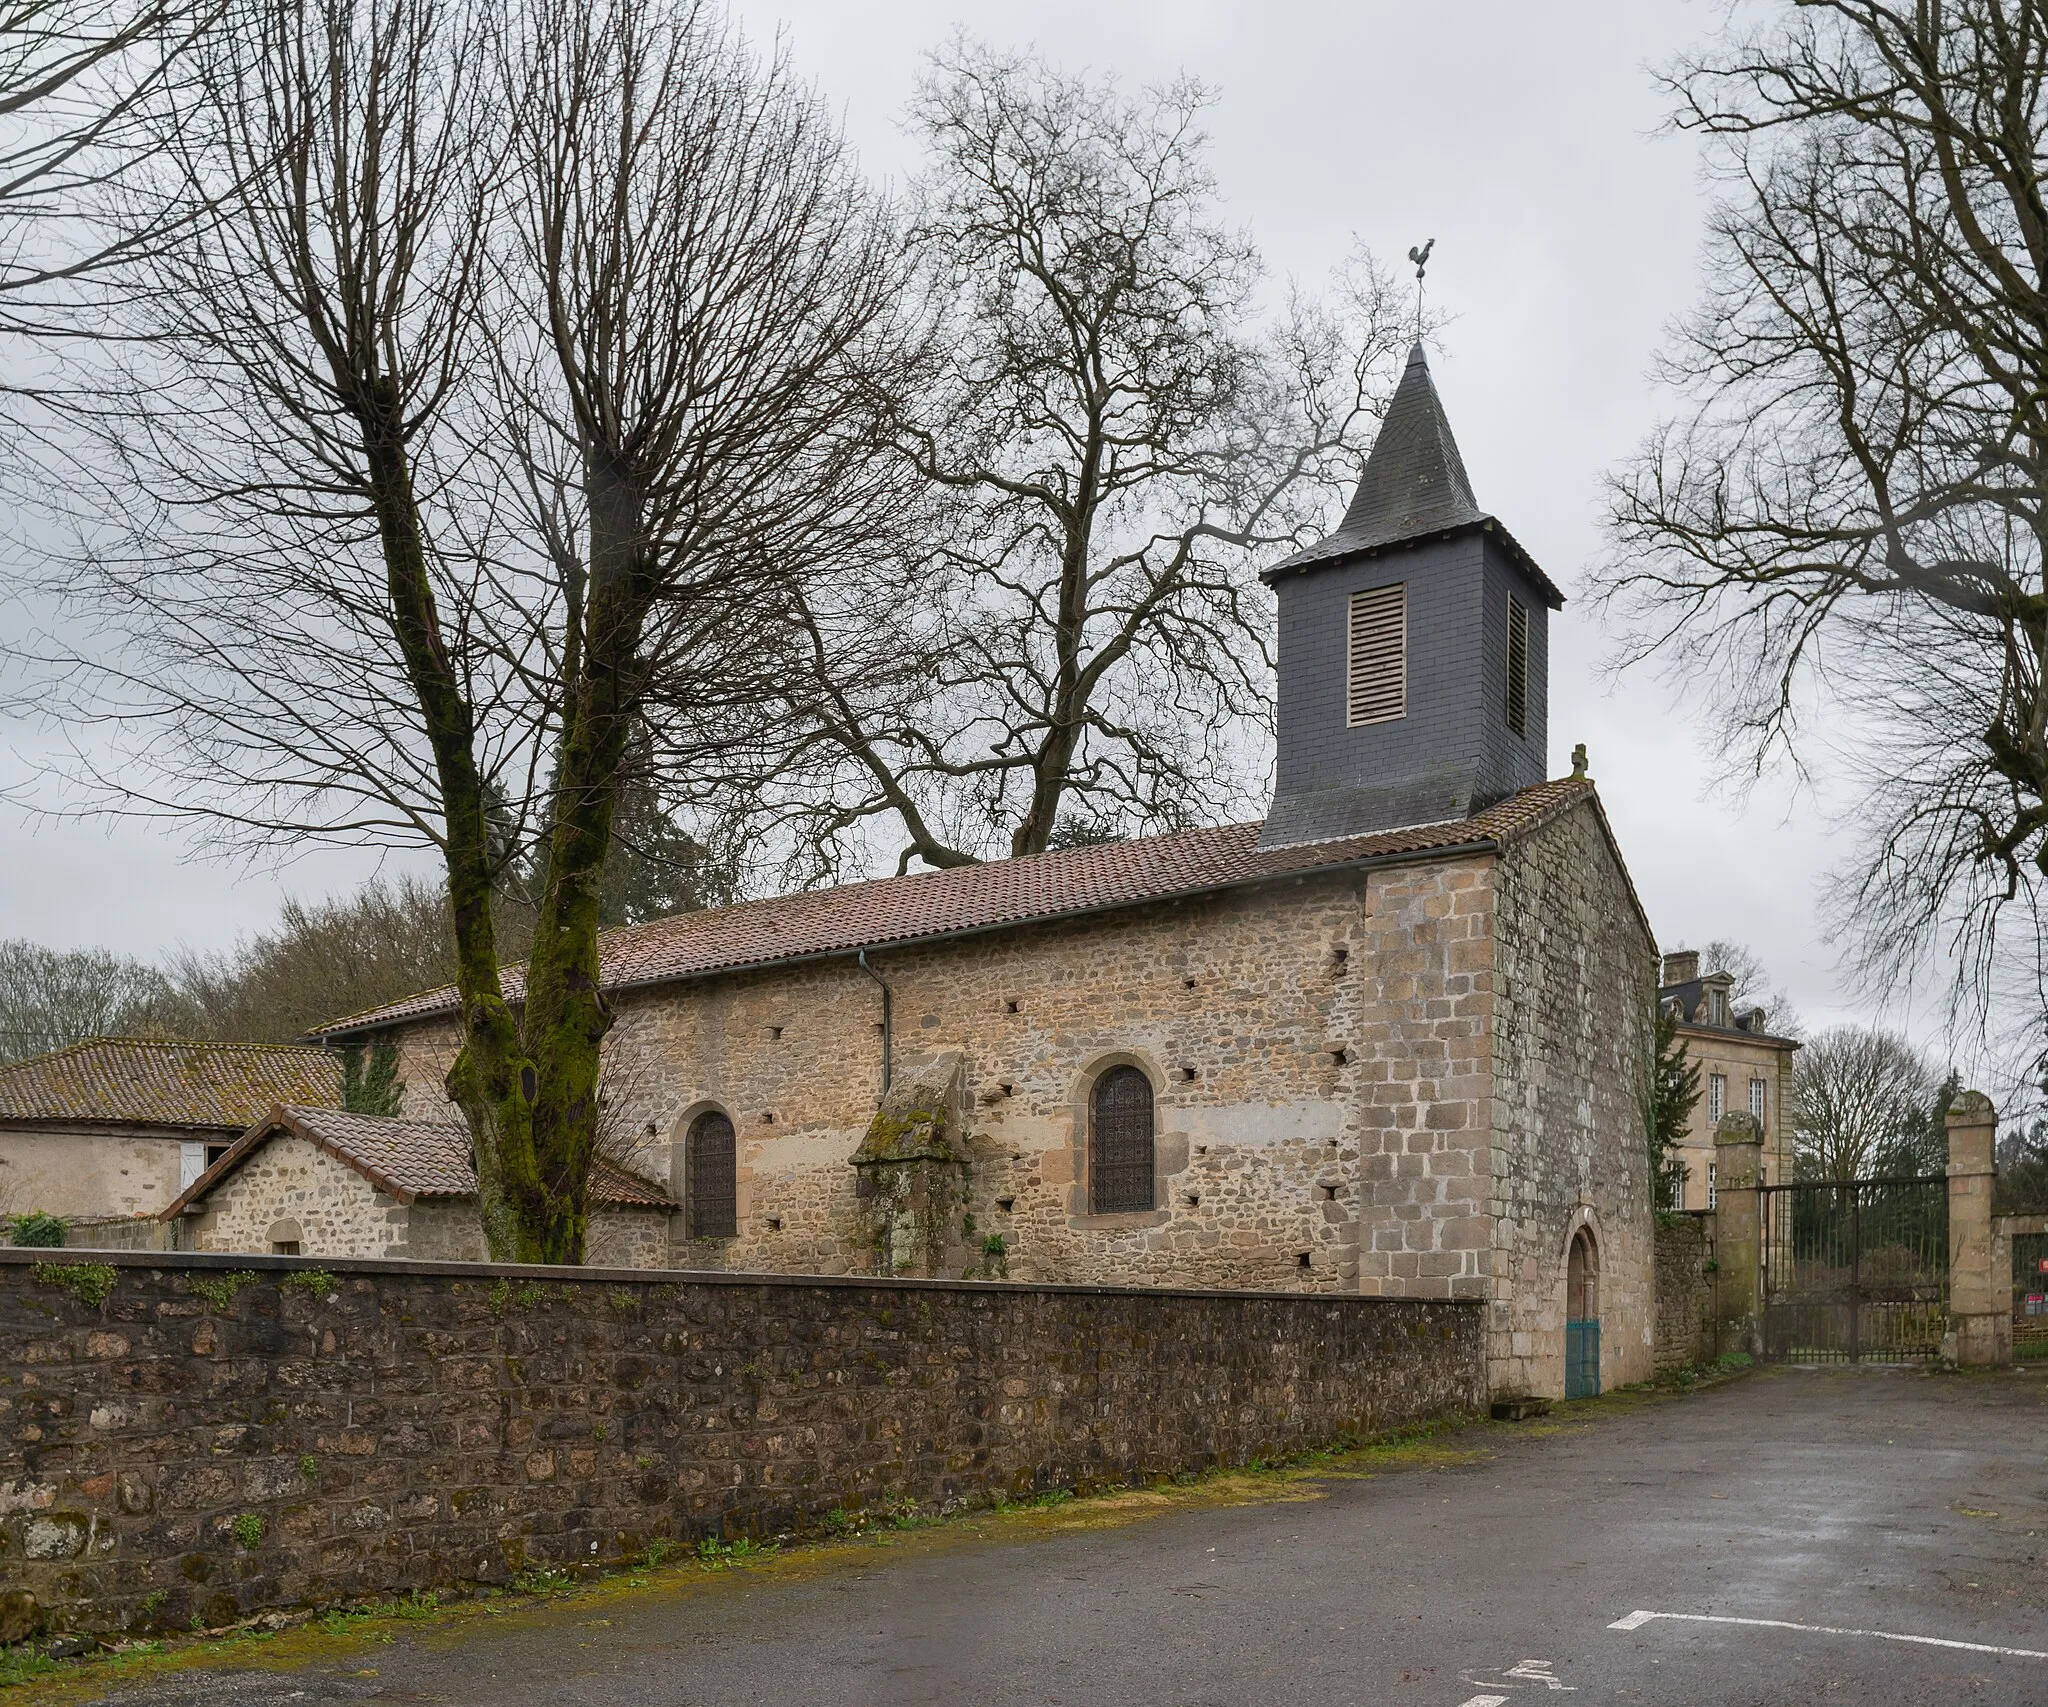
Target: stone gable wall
pixel 390 1426
pixel 1574 982
pixel 340 1214
pixel 1235 1005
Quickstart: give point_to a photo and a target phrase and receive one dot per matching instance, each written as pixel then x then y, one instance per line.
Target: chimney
pixel 1681 967
pixel 1413 683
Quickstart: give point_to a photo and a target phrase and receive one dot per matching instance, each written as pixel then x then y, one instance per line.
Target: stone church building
pixel 1394 1039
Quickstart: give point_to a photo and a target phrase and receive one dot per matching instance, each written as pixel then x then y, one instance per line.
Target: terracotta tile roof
pixel 926 904
pixel 155 1082
pixel 408 1159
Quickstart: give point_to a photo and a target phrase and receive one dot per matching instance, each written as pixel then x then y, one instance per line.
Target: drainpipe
pixel 887 1001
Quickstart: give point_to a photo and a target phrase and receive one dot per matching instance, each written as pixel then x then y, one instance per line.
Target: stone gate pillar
pixel 1738 1234
pixel 1979 1291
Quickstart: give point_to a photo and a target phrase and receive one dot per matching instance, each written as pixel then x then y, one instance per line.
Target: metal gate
pixel 1855 1272
pixel 2030 1296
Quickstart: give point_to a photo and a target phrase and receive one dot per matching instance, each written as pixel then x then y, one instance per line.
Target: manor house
pixel 1393 1039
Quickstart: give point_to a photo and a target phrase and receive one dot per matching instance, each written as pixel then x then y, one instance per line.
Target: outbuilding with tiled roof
pixel 107 1131
pixel 321 1182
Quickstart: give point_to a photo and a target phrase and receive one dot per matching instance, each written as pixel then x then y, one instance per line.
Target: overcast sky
pixel 1526 140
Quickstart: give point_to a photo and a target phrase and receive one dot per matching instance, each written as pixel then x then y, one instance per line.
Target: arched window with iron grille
pixel 712 1177
pixel 1120 1142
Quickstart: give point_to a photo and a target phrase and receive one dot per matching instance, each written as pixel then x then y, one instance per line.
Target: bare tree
pixel 712 295
pixel 73 74
pixel 51 997
pixel 321 959
pixel 1857 1092
pixel 1124 440
pixel 508 368
pixel 1845 525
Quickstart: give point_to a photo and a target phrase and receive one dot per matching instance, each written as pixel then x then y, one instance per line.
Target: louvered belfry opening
pixel 711 1160
pixel 1518 666
pixel 1376 656
pixel 1120 1142
pixel 1399 697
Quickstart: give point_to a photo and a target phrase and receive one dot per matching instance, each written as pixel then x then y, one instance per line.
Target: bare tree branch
pixel 1849 513
pixel 1123 441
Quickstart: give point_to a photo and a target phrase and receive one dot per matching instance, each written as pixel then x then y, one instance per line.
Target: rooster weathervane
pixel 1421 259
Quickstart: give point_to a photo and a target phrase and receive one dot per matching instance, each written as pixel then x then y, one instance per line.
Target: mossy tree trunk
pixel 567 1016
pixel 494 1081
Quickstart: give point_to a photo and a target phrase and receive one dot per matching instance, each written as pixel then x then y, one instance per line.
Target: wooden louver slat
pixel 1518 666
pixel 1376 656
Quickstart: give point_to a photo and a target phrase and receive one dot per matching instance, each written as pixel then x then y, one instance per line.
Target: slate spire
pixel 1414 484
pixel 1414 481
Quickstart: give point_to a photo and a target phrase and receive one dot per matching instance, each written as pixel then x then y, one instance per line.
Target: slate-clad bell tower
pixel 1414 665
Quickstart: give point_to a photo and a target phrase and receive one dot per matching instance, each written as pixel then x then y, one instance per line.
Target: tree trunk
pixel 567 1015
pixel 1055 760
pixel 494 1080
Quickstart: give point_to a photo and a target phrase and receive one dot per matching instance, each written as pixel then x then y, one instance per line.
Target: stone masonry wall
pixel 340 1214
pixel 196 1438
pixel 1685 1290
pixel 1312 1043
pixel 1574 982
pixel 1417 1017
pixel 447 1229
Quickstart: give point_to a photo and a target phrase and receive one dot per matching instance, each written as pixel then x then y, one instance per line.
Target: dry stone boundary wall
pixel 195 1438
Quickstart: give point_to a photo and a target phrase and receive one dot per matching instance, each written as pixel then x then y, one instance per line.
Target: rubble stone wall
pixel 198 1438
pixel 1574 981
pixel 1315 1047
pixel 339 1213
pixel 1685 1290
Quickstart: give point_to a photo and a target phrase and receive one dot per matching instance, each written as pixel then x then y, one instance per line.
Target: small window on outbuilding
pixel 711 1177
pixel 1518 666
pixel 1120 1142
pixel 1376 656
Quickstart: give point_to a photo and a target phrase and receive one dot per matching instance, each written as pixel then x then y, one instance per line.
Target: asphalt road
pixel 1855 1502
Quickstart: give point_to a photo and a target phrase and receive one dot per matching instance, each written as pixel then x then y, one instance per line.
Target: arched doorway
pixel 1582 1317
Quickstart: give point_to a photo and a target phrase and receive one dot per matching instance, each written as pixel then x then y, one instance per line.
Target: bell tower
pixel 1413 648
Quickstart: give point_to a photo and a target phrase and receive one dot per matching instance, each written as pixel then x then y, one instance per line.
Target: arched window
pixel 1582 1280
pixel 711 1170
pixel 1120 1142
pixel 1582 1317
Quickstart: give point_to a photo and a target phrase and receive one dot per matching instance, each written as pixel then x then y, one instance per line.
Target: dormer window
pixel 1717 1007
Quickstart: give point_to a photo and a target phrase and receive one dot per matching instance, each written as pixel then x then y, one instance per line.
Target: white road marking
pixel 1636 1620
pixel 1538 1671
pixel 1486 1701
